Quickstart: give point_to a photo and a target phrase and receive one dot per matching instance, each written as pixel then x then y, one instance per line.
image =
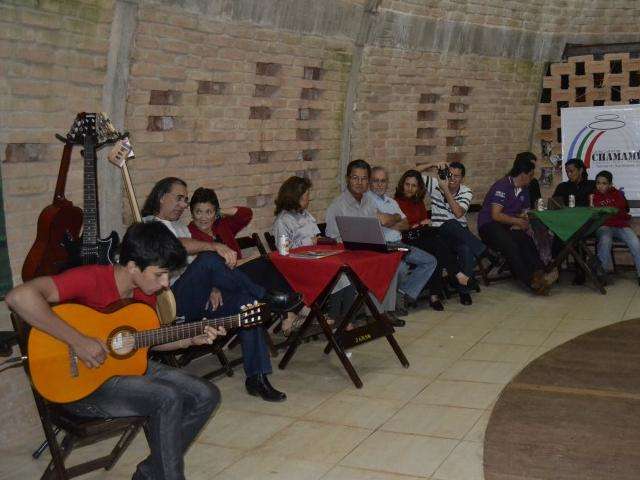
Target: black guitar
pixel 91 249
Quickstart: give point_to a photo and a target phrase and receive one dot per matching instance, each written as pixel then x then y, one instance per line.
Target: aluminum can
pixel 591 200
pixel 572 201
pixel 283 245
pixel 540 205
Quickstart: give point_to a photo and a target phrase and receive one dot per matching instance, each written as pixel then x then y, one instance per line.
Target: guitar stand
pixel 341 339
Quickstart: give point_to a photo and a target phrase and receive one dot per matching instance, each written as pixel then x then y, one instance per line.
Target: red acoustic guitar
pixel 58 223
pixel 128 332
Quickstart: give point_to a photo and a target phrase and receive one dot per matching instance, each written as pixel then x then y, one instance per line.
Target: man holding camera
pixel 450 200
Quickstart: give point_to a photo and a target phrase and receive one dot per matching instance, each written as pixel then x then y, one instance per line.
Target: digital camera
pixel 444 173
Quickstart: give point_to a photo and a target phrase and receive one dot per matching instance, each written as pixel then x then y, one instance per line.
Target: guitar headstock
pixel 253 314
pixel 96 125
pixel 120 153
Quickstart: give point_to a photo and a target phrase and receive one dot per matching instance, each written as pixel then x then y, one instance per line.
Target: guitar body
pixel 58 224
pixel 103 254
pixel 60 379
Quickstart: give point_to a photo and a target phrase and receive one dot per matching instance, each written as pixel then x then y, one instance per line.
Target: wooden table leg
pixel 380 318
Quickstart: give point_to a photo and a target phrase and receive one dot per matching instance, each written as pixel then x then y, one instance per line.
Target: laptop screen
pixel 365 230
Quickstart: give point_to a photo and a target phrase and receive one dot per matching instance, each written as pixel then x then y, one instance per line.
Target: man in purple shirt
pixel 503 224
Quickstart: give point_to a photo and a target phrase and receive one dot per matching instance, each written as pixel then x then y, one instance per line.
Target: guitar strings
pixel 166 334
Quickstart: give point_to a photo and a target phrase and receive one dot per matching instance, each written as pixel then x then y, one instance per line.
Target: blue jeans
pixel 192 292
pixel 467 246
pixel 177 405
pixel 415 270
pixel 605 240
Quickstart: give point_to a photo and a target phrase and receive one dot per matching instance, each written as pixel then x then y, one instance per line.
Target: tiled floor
pixel 427 421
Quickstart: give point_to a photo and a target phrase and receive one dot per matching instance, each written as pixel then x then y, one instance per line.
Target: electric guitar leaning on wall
pixel 94 131
pixel 128 329
pixel 118 155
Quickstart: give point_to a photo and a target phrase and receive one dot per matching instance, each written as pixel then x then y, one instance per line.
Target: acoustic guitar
pixel 118 155
pixel 128 332
pixel 58 223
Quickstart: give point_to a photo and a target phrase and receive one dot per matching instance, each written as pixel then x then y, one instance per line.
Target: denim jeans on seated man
pixel 467 246
pixel 176 403
pixel 606 235
pixel 192 290
pixel 417 266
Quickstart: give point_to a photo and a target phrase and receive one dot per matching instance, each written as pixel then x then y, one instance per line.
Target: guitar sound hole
pixel 122 343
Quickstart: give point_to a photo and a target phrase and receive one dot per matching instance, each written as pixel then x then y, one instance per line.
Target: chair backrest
pixel 252 241
pixel 271 241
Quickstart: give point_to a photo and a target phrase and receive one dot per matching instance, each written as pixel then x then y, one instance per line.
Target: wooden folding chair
pixel 78 431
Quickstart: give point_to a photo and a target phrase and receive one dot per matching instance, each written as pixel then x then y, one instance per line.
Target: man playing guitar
pixel 176 403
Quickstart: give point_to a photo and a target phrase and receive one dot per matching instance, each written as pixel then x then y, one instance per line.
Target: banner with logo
pixel 606 138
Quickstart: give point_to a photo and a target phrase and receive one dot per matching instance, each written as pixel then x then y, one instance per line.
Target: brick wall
pixel 53 66
pixel 416 108
pixel 246 108
pixel 571 16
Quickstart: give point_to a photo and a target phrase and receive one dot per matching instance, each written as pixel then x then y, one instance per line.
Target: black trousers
pixel 430 241
pixel 262 272
pixel 516 246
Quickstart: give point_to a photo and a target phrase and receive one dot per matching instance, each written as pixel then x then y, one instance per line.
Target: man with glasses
pixel 418 265
pixel 450 200
pixel 211 287
pixel 354 203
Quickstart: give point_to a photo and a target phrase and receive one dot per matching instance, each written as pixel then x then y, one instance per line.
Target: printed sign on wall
pixel 606 138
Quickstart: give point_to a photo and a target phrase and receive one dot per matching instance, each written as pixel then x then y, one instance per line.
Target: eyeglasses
pixel 357 179
pixel 379 180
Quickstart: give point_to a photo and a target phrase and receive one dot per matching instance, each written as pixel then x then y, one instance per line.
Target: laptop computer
pixel 362 233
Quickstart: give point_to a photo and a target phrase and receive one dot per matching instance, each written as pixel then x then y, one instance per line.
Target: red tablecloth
pixel 311 276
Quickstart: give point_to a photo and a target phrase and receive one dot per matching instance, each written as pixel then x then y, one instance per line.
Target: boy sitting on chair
pixel 176 403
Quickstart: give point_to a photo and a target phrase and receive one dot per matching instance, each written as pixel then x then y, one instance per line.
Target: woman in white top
pixel 292 218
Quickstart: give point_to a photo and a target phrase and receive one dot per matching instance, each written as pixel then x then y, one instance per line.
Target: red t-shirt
pixel 415 212
pixel 94 286
pixel 225 229
pixel 613 198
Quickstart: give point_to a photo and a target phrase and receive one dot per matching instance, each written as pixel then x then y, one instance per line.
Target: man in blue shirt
pixel 418 265
pixel 503 225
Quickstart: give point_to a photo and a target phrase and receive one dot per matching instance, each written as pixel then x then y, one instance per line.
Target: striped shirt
pixel 440 208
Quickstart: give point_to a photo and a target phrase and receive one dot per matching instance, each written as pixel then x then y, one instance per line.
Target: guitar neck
pixel 158 336
pixel 135 209
pixel 61 183
pixel 90 230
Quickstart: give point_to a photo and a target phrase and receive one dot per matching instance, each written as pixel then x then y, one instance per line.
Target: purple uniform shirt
pixel 503 192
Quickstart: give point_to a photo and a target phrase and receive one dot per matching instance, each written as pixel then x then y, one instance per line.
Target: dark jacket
pixel 580 190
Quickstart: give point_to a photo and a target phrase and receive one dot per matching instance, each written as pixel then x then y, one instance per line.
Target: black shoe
pixel 401 304
pixel 579 279
pixel 465 299
pixel 282 302
pixel 395 321
pixel 473 284
pixel 436 305
pixel 259 386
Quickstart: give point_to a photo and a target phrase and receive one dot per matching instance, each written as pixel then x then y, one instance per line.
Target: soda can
pixel 540 204
pixel 283 245
pixel 572 201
